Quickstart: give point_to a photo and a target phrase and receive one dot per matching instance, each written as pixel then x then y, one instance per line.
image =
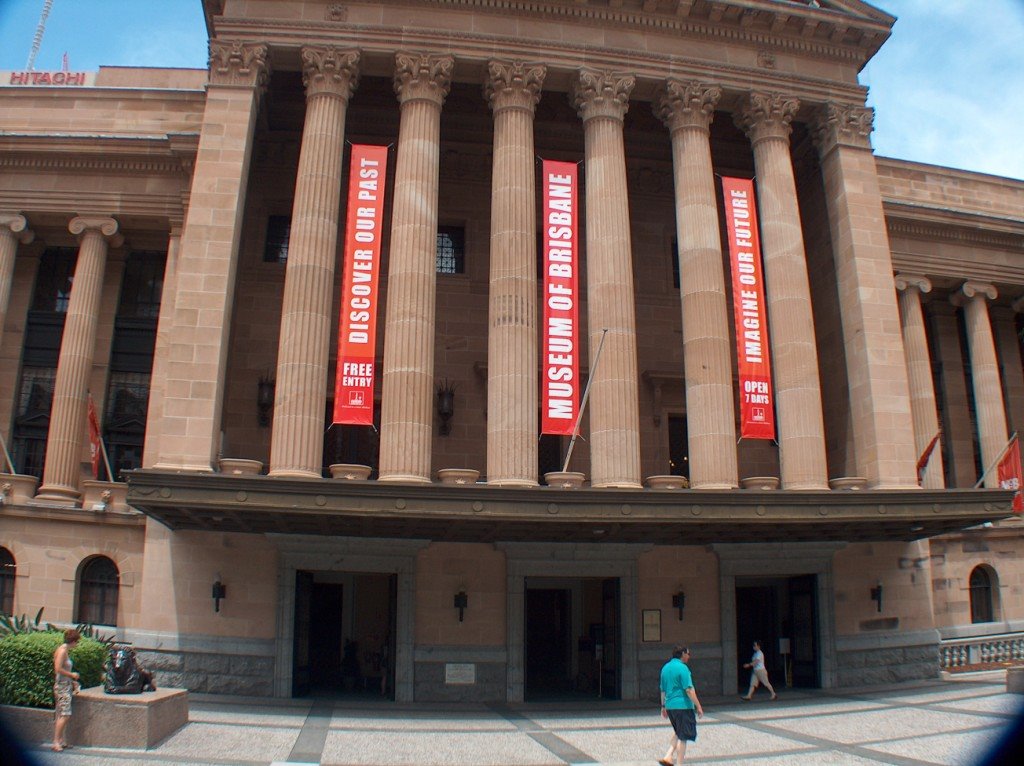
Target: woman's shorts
pixel 684 724
pixel 62 699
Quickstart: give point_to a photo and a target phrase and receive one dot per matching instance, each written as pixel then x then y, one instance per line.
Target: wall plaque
pixel 459 673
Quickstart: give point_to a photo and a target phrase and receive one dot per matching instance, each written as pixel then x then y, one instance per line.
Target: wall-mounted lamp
pixel 461 603
pixel 876 595
pixel 679 602
pixel 445 405
pixel 220 591
pixel 264 399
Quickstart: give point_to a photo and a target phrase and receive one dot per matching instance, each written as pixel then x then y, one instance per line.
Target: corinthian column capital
pixel 767 115
pixel 17 225
pixel 513 84
pixel 842 125
pixel 105 227
pixel 917 282
pixel 970 290
pixel 423 76
pixel 238 64
pixel 601 94
pixel 329 71
pixel 687 104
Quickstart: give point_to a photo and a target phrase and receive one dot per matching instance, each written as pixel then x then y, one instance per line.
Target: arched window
pixel 7 571
pixel 97 592
pixel 982 581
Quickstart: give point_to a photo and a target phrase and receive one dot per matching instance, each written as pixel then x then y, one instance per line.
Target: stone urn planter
pixel 564 479
pixel 350 471
pixel 103 496
pixel 763 483
pixel 458 475
pixel 237 466
pixel 17 488
pixel 667 482
pixel 848 483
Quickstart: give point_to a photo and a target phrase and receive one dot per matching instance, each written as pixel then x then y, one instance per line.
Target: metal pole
pixel 996 461
pixel 7 455
pixel 583 404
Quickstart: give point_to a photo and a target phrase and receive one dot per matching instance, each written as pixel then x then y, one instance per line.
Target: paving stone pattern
pixel 944 722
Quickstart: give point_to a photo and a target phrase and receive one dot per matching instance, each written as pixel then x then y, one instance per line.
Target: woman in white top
pixel 758 673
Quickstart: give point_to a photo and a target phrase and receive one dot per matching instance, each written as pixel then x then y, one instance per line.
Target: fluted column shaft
pixel 687 109
pixel 923 408
pixel 602 99
pixel 801 431
pixel 513 90
pixel 876 370
pixel 70 390
pixel 161 349
pixel 421 82
pixel 13 229
pixel 988 392
pixel 296 447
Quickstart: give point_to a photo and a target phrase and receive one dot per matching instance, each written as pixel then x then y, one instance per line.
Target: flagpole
pixel 7 455
pixel 583 404
pixel 106 460
pixel 995 462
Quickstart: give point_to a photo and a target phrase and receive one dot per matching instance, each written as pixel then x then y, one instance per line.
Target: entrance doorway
pixel 344 634
pixel 781 613
pixel 572 638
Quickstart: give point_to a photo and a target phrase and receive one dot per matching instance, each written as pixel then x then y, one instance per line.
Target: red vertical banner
pixel 95 445
pixel 757 401
pixel 560 369
pixel 357 335
pixel 1011 476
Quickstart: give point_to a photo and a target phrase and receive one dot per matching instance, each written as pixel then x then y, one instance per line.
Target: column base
pixel 56 494
pixel 404 478
pixel 512 483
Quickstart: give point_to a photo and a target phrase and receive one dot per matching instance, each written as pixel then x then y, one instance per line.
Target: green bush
pixel 26 666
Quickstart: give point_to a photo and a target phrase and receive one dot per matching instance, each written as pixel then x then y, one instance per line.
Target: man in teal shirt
pixel 678 703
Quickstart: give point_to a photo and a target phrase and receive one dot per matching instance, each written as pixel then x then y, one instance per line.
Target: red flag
pixel 560 391
pixel 757 408
pixel 357 336
pixel 922 462
pixel 1011 476
pixel 94 439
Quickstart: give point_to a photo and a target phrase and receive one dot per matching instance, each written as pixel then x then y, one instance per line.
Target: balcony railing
pixel 956 653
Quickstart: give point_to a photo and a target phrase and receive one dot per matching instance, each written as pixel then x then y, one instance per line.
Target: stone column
pixel 161 349
pixel 883 436
pixel 197 356
pixel 988 392
pixel 74 365
pixel 602 100
pixel 766 119
pixel 687 108
pixel 421 82
pixel 296 447
pixel 13 229
pixel 924 410
pixel 513 90
pixel 1004 325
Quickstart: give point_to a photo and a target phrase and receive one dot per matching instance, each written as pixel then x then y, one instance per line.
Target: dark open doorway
pixel 344 638
pixel 572 639
pixel 781 613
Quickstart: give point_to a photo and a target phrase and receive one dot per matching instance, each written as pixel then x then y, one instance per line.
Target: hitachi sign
pixel 60 79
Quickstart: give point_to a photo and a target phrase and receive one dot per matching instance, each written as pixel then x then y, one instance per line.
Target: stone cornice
pixel 786 27
pixel 567 55
pixel 921 222
pixel 149 155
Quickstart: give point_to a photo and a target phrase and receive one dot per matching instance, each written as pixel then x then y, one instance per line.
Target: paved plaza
pixel 949 722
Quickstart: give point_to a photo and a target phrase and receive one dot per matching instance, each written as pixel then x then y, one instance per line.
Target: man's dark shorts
pixel 684 724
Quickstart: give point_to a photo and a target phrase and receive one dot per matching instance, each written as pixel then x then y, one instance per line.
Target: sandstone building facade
pixel 171 243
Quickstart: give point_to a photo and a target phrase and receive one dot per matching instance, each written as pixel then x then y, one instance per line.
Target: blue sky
pixel 948 86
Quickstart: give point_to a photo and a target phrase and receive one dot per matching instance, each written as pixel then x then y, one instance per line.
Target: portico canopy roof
pixel 481 513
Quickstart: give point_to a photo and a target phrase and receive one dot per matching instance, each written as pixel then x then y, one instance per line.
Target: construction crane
pixel 37 38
